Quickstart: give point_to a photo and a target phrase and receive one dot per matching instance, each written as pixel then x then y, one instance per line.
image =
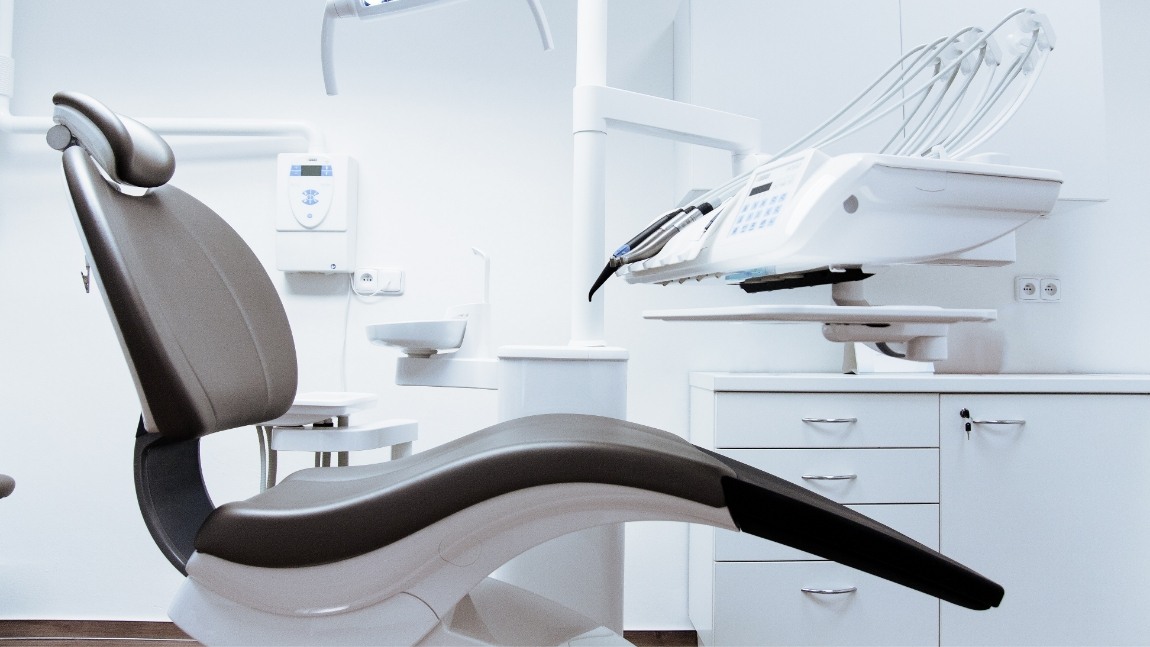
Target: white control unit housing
pixel 316 208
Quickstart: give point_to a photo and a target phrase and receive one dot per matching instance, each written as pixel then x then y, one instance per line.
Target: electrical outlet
pixel 1026 288
pixel 1037 289
pixel 370 281
pixel 366 281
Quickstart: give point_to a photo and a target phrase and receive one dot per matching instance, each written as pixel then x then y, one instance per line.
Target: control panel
pixel 316 208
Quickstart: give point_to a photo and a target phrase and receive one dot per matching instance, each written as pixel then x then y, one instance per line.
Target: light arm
pixel 326 45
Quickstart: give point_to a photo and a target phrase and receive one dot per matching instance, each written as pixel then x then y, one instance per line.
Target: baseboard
pixel 659 638
pixel 49 630
pixel 60 632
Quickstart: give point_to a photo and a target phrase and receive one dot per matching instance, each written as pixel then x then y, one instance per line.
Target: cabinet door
pixel 1057 510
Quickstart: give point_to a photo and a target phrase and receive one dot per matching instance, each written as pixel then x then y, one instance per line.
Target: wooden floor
pixel 57 633
pixel 87 633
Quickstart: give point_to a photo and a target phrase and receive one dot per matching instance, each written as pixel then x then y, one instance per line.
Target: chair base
pixel 494 613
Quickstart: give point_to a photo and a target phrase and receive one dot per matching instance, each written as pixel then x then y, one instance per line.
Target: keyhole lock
pixel 965 415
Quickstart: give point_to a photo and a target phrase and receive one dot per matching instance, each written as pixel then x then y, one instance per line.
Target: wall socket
pixel 370 281
pixel 1037 289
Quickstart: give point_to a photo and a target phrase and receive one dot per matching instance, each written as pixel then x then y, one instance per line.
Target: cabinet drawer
pixel 826 420
pixel 763 603
pixel 917 521
pixel 853 475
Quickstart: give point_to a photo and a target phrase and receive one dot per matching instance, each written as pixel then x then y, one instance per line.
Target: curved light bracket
pixel 367 9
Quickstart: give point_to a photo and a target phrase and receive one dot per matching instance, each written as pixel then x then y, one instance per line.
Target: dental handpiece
pixel 642 236
pixel 659 240
pixel 651 240
pixel 614 262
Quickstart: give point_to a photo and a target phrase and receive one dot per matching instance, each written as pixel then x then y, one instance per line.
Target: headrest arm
pixel 127 150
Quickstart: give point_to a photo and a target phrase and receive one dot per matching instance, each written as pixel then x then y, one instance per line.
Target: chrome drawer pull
pixel 830 477
pixel 849 589
pixel 836 421
pixel 971 421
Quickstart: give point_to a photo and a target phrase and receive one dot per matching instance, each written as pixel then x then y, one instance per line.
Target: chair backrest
pixel 201 325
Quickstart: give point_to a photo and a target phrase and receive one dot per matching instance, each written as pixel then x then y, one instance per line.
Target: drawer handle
pixel 966 415
pixel 834 421
pixel 971 421
pixel 849 589
pixel 830 477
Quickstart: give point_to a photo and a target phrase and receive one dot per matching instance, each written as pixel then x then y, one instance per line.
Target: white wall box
pixel 1047 494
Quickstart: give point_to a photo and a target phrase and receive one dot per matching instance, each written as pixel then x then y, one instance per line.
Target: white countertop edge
pixel 922 382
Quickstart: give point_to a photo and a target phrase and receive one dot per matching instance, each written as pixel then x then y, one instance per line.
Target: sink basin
pixel 419 338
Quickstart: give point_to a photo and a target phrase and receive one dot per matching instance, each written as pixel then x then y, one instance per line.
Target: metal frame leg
pixel 400 450
pixel 269 460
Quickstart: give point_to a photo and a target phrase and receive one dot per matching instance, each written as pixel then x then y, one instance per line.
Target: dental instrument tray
pixel 922 330
pixel 811 218
pixel 864 315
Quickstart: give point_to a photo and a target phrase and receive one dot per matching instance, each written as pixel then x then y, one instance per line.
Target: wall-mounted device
pixel 316 206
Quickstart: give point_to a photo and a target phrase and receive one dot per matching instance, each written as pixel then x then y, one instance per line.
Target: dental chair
pixel 398 552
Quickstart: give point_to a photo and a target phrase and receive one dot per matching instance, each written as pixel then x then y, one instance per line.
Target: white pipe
pixel 591 43
pixel 589 199
pixel 10 123
pixel 7 27
pixel 587 241
pixel 169 126
pixel 212 127
pixel 205 127
pixel 597 107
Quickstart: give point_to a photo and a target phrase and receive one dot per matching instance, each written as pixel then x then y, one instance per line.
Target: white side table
pixel 320 422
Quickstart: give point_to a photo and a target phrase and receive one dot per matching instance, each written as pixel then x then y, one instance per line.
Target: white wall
pixel 456 150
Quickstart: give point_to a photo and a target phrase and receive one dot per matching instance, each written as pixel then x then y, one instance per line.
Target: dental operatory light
pixel 367 9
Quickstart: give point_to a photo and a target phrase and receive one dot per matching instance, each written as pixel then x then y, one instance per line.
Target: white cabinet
pixel 851 448
pixel 1057 510
pixel 1048 494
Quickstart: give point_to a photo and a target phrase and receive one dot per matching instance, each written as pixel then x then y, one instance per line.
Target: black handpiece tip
pixel 603 276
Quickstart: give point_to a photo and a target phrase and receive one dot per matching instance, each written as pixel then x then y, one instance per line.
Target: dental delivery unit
pixel 809 218
pixel 804 217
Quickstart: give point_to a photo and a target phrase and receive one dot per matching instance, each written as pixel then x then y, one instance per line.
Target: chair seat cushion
pixel 320 516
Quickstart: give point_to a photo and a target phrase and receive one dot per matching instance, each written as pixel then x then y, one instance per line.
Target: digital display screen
pixel 314 170
pixel 762 188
